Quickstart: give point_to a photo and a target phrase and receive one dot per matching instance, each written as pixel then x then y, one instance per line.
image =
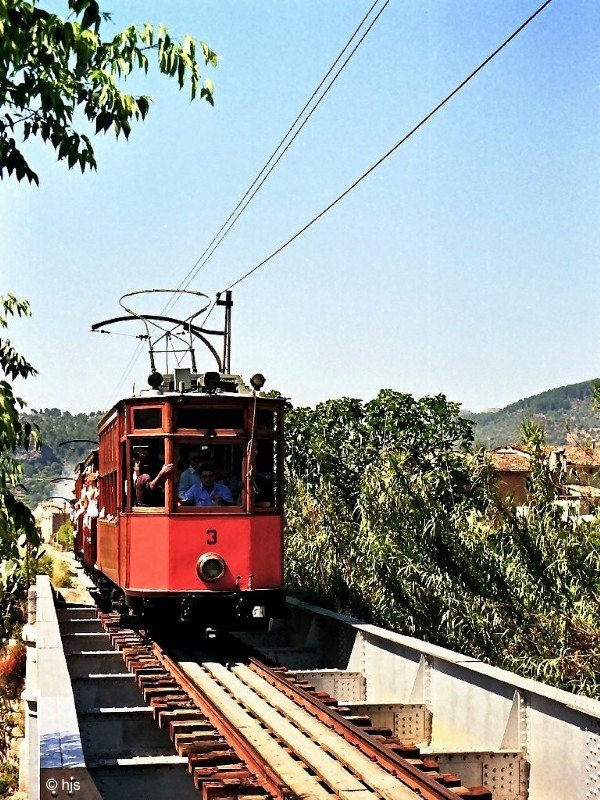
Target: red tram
pixel 219 564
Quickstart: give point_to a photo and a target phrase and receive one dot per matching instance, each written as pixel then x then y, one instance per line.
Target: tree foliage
pixel 61 80
pixel 58 454
pixel 18 535
pixel 392 517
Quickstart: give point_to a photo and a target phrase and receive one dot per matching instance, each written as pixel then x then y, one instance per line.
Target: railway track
pixel 356 712
pixel 244 729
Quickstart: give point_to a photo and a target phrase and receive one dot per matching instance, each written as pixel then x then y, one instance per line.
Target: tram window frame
pixel 275 467
pixel 133 410
pixel 158 444
pixel 126 479
pixel 212 445
pixel 263 426
pixel 214 425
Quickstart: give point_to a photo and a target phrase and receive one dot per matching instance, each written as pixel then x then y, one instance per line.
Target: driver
pixel 207 492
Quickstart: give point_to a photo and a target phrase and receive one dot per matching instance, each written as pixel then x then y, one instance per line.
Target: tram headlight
pixel 211 381
pixel 210 567
pixel 155 379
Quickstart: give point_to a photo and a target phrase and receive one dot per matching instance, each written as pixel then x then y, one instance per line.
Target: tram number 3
pixel 211 536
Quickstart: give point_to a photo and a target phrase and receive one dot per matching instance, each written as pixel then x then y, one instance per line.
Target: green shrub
pixel 9 779
pixel 58 570
pixel 391 518
pixel 65 536
pixel 62 577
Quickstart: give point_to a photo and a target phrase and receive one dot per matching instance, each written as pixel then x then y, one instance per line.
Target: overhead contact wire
pixel 250 194
pixel 392 149
pixel 284 151
pixel 130 364
pixel 245 200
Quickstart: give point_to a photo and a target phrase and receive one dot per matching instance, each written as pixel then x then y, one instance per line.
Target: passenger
pixel 150 491
pixel 191 475
pixel 207 492
pixel 92 493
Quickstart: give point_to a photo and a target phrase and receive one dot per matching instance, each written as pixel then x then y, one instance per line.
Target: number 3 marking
pixel 211 537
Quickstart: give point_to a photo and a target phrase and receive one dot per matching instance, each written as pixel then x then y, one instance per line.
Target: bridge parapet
pixel 549 736
pixel 55 763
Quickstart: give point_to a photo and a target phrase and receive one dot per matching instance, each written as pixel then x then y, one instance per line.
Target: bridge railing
pixel 475 707
pixel 55 764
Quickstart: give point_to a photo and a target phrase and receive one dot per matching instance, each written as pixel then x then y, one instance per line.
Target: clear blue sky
pixel 467 264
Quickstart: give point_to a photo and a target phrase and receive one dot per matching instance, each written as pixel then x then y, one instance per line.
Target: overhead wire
pixel 129 366
pixel 267 168
pixel 276 155
pixel 359 180
pixel 391 150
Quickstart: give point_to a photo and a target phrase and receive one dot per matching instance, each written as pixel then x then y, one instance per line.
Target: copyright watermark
pixel 67 785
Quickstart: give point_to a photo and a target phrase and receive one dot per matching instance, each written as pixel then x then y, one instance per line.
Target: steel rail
pixel 426 787
pixel 247 752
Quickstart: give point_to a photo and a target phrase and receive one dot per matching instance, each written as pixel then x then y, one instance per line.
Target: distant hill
pixel 54 461
pixel 566 414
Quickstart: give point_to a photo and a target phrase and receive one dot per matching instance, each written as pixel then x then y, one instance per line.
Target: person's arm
pixel 223 495
pixel 188 498
pixel 162 476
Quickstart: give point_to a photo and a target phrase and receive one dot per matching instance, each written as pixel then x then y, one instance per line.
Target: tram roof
pixel 231 387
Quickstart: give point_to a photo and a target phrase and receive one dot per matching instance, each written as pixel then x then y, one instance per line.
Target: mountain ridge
pixel 565 412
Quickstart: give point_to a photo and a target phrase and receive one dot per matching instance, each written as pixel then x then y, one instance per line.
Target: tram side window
pixel 266 485
pixel 147 482
pixel 266 420
pixel 126 486
pixel 224 461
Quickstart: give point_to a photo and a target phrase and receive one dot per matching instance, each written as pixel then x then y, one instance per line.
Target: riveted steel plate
pixel 505 774
pixel 406 720
pixel 345 686
pixel 592 767
pixel 292 657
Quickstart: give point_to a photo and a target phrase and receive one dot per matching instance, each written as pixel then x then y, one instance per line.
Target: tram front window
pixel 210 476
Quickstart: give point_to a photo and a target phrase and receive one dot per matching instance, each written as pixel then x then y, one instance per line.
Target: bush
pixel 65 536
pixel 9 779
pixel 12 678
pixel 391 518
pixel 58 570
pixel 12 670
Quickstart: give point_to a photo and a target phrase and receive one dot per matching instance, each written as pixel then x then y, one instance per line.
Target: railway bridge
pixel 323 706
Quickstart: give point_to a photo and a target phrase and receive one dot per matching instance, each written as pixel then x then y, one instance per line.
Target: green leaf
pixel 91 15
pixel 53 65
